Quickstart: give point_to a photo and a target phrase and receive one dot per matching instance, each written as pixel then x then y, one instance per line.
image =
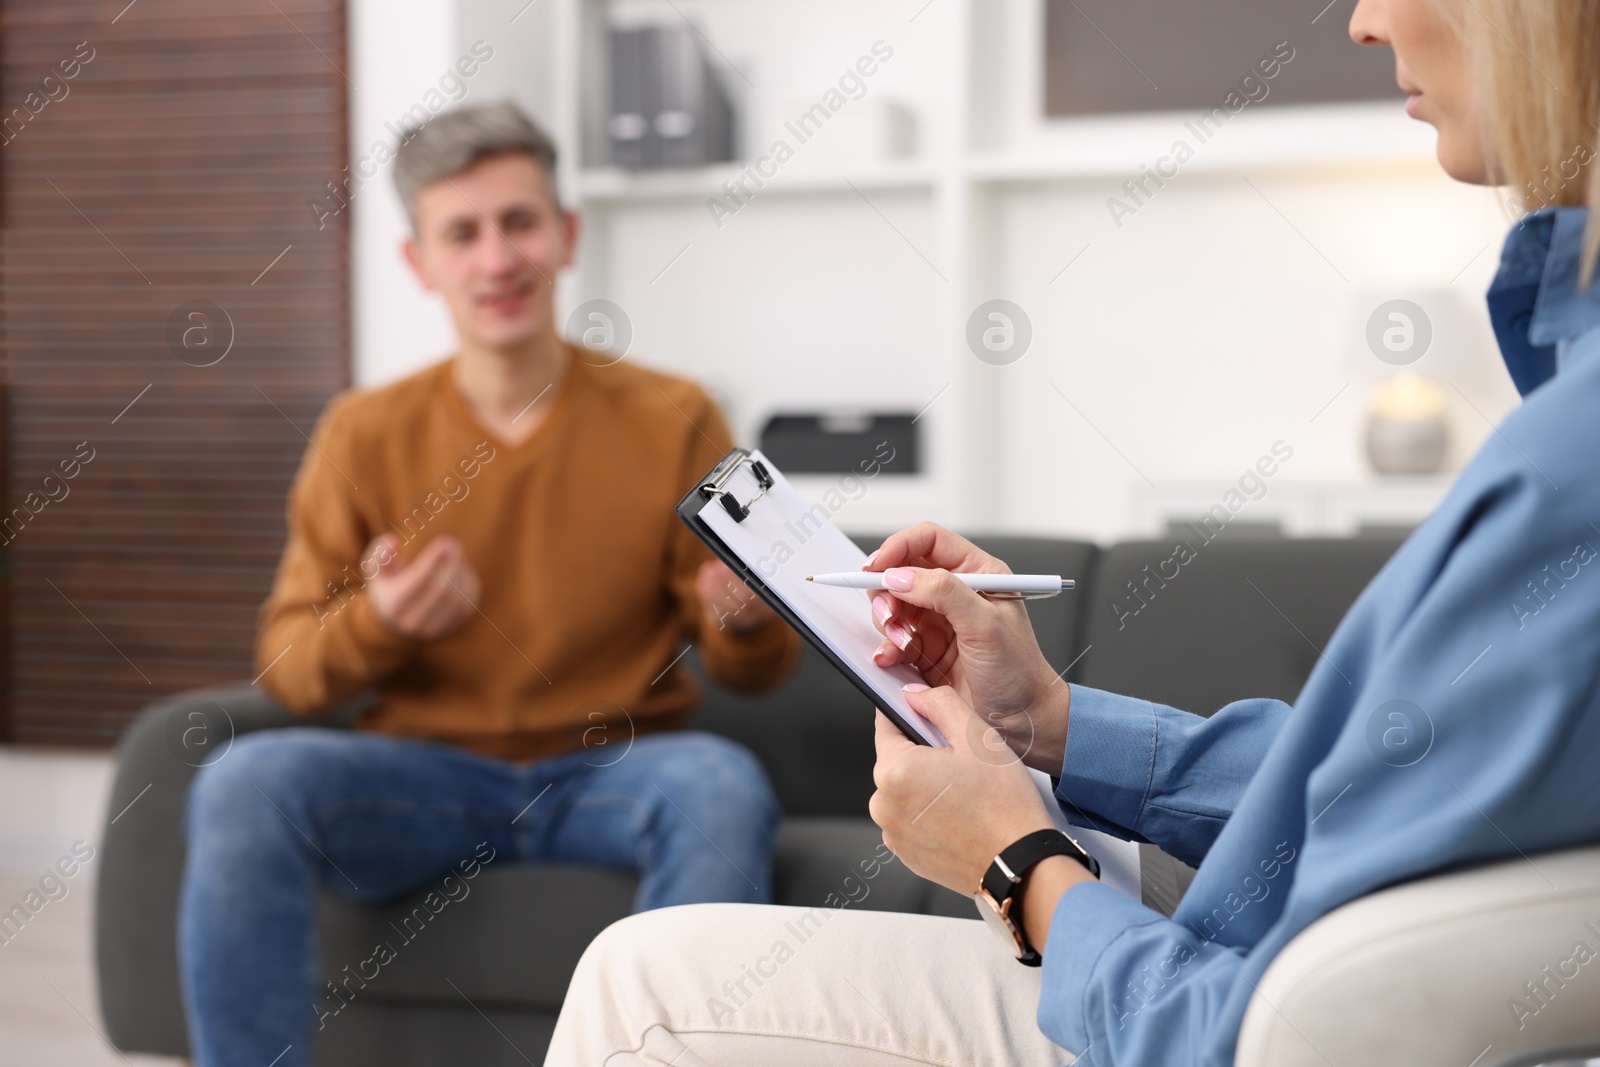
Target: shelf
pixel 1333 508
pixel 1286 138
pixel 602 185
pixel 1097 148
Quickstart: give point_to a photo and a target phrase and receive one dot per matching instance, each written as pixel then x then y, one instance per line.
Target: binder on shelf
pixel 694 118
pixel 669 107
pixel 628 121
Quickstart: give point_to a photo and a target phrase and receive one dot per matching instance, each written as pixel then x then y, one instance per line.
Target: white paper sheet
pixel 1119 859
pixel 786 537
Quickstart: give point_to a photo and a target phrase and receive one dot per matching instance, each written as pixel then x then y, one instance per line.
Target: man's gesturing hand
pixel 432 596
pixel 947 811
pixel 727 601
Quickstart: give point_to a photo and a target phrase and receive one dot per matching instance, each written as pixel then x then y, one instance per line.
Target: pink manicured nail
pixel 900 579
pixel 881 608
pixel 866 564
pixel 898 634
pixel 914 687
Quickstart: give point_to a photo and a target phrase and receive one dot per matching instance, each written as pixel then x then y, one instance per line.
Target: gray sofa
pixel 1246 617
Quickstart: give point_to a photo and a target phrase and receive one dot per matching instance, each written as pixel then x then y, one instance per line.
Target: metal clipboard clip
pixel 722 474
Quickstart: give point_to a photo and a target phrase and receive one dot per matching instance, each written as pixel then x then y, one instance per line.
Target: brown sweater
pixel 588 575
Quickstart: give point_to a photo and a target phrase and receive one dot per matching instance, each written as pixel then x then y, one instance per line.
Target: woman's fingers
pixel 883 606
pixel 896 620
pixel 930 545
pixel 927 647
pixel 941 592
pixel 934 651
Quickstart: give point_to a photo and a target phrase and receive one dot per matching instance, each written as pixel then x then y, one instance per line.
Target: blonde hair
pixel 1538 81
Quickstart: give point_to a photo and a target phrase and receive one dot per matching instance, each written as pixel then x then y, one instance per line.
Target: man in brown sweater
pixel 490 545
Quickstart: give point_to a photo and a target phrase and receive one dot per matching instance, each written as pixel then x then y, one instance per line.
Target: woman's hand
pixel 948 811
pixel 984 649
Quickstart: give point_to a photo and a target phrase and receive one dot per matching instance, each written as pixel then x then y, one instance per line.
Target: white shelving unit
pixel 602 186
pixel 848 279
pixel 916 207
pixel 1301 509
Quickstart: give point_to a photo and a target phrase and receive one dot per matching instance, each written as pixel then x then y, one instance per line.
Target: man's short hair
pixel 452 142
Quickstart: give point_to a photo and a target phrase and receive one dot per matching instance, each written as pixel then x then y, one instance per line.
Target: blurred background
pixel 1085 261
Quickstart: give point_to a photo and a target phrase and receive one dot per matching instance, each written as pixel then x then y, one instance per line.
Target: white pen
pixel 1013 584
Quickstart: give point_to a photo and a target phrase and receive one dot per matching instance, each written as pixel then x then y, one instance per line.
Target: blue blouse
pixel 1453 719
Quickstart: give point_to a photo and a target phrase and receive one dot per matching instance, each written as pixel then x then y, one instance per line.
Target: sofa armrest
pixel 1491 966
pixel 142 852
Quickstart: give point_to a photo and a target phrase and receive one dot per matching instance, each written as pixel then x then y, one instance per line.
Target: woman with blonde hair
pixel 1479 642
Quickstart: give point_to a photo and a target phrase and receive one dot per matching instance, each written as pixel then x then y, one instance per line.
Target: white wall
pixel 1207 328
pixel 398 49
pixel 520 71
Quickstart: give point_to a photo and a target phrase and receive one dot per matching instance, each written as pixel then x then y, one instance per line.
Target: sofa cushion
pixel 513 939
pixel 414 1033
pixel 1241 618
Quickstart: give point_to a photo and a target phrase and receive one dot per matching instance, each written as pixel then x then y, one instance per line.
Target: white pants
pixel 745 985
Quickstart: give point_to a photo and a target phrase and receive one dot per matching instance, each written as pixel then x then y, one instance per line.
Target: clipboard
pixel 771 536
pixel 744 509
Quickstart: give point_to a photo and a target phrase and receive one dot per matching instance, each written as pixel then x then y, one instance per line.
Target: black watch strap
pixel 1003 881
pixel 1003 878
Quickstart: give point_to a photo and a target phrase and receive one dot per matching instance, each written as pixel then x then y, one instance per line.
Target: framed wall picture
pixel 1117 56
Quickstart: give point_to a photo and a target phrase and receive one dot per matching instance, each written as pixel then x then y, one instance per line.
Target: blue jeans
pixel 370 818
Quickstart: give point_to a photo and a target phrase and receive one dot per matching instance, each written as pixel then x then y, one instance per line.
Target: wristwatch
pixel 999 898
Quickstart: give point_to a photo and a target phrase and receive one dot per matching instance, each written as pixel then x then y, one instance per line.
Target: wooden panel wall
pixel 174 320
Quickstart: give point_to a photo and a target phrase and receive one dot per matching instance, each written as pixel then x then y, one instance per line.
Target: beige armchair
pixel 1497 966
